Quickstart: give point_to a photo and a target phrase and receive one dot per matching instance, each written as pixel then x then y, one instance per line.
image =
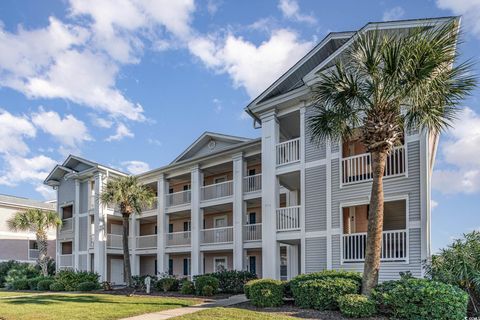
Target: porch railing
pixel 151 207
pixel 147 242
pixel 178 198
pixel 252 232
pixel 114 241
pixel 288 218
pixel 67 225
pixel 181 238
pixel 288 151
pixel 252 183
pixel 92 241
pixel 217 235
pixel 65 260
pixel 33 254
pixel 393 248
pixel 217 190
pixel 358 168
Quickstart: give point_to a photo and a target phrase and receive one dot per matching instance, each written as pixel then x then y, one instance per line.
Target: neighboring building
pixel 278 205
pixel 21 246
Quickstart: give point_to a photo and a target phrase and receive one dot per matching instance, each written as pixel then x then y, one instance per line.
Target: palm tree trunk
pixel 126 251
pixel 42 252
pixel 375 225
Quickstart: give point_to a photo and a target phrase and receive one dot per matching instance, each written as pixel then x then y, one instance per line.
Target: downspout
pixel 257 123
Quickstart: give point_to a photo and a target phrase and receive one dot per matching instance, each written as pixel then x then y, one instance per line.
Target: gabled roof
pixel 207 143
pixel 14 201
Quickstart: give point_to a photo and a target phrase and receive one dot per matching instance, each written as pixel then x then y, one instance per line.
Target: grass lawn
pixel 233 314
pixel 6 293
pixel 85 306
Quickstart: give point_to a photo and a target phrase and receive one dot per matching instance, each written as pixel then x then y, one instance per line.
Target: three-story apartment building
pixel 278 205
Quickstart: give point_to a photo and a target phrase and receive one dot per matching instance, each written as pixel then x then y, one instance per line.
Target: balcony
pixel 33 254
pixel 288 152
pixel 67 225
pixel 394 246
pixel 288 219
pixel 114 241
pixel 217 235
pixel 146 242
pixel 217 190
pixel 178 198
pixel 252 183
pixel 151 207
pixel 358 168
pixel 252 232
pixel 65 261
pixel 91 243
pixel 181 238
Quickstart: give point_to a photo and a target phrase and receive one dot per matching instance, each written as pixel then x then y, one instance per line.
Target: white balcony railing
pixel 178 198
pixel 359 168
pixel 33 254
pixel 288 151
pixel 217 190
pixel 178 238
pixel 151 207
pixel 252 232
pixel 394 246
pixel 65 260
pixel 252 183
pixel 114 241
pixel 147 242
pixel 217 235
pixel 288 218
pixel 91 203
pixel 67 225
pixel 91 243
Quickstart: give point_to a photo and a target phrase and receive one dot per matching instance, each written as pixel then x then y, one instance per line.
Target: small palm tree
pixel 38 221
pixel 130 197
pixel 387 83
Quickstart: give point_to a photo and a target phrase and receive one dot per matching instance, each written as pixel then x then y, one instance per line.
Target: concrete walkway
pixel 172 313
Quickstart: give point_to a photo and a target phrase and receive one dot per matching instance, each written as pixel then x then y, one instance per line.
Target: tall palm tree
pixel 387 83
pixel 38 221
pixel 130 197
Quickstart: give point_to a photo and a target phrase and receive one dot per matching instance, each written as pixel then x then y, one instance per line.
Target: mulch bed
pixel 289 309
pixel 170 294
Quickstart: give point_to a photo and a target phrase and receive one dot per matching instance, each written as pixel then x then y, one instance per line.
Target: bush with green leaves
pixel 167 283
pixel 326 274
pixel 208 291
pixel 421 299
pixel 4 268
pixel 51 267
pixel 187 287
pixel 265 292
pixel 21 271
pixel 139 282
pixel 88 286
pixel 356 306
pixel 70 279
pixel 322 294
pixel 233 281
pixel 44 285
pixel 20 284
pixel 57 286
pixel 459 265
pixel 33 282
pixel 205 280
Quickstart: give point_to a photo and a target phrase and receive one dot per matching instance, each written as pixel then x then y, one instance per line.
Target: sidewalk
pixel 172 313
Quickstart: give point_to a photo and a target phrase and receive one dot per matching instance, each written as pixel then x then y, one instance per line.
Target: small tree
pixel 38 221
pixel 385 83
pixel 130 197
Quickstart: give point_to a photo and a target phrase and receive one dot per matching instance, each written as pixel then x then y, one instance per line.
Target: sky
pixel 131 84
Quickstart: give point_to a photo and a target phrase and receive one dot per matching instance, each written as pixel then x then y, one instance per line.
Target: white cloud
pixel 433 204
pixel 461 151
pixel 19 169
pixel 13 130
pixel 468 9
pixel 135 166
pixel 155 142
pixel 217 105
pixel 244 116
pixel 47 192
pixel 212 6
pixel 69 131
pixel 121 132
pixel 101 122
pixel 395 13
pixel 291 10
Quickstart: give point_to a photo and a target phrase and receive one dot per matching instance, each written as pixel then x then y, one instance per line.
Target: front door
pixel 220 234
pixel 252 264
pixel 220 264
pixel 116 271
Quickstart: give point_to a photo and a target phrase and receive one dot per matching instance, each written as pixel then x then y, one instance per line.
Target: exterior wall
pixel 258 254
pixel 147 228
pixel 178 263
pixel 210 219
pixel 178 224
pixel 209 260
pixel 258 215
pixel 178 186
pixel 147 265
pixel 210 179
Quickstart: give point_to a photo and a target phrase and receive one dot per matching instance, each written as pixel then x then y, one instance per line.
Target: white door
pixel 116 271
pixel 220 235
pixel 220 264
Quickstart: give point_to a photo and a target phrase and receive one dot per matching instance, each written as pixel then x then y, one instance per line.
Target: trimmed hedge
pixel 323 294
pixel 208 291
pixel 57 286
pixel 167 284
pixel 265 292
pixel 422 299
pixel 20 284
pixel 44 285
pixel 206 280
pixel 326 274
pixel 356 306
pixel 87 286
pixel 33 282
pixel 187 287
pixel 70 279
pixel 233 281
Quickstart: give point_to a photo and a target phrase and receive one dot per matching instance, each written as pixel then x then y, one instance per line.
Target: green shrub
pixel 20 284
pixel 356 306
pixel 168 283
pixel 50 266
pixel 70 279
pixel 205 280
pixel 20 271
pixel 4 268
pixel 187 287
pixel 139 282
pixel 88 286
pixel 246 288
pixel 326 274
pixel 265 292
pixel 33 282
pixel 57 286
pixel 233 281
pixel 207 291
pixel 323 294
pixel 44 285
pixel 287 289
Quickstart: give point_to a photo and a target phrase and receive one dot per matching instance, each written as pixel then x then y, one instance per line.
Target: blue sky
pixel 132 83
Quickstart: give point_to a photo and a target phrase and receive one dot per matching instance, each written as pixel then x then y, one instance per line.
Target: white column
pixel 57 232
pixel 133 231
pixel 329 202
pixel 270 248
pixel 238 212
pixel 302 191
pixel 100 223
pixel 292 252
pixel 76 225
pixel 162 261
pixel 196 221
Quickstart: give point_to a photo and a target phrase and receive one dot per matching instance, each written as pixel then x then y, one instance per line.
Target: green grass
pixel 85 306
pixel 6 293
pixel 233 314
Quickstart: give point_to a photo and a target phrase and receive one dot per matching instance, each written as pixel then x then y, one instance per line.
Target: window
pixel 170 190
pixel 251 172
pixel 156 229
pixel 170 227
pixel 156 267
pixel 252 218
pixel 252 264
pixel 220 179
pixel 186 266
pixel 186 187
pixel 187 226
pixel 67 212
pixel 170 267
pixel 220 263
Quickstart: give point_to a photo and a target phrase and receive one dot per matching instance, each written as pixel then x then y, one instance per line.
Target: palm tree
pixel 130 196
pixel 387 83
pixel 38 221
